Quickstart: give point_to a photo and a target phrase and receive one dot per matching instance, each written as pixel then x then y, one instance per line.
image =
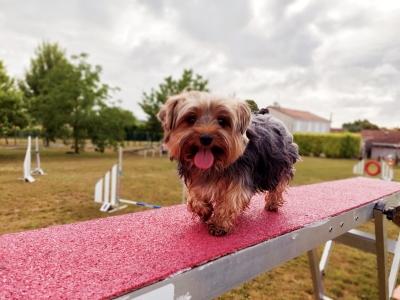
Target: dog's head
pixel 204 131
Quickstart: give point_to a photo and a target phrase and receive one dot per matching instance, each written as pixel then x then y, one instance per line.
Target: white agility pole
pixel 27 163
pixel 38 170
pixel 120 157
pixel 98 191
pixel 358 168
pixel 106 206
pixel 386 171
pixel 114 189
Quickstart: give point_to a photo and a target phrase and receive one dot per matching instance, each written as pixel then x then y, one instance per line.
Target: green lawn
pixel 65 195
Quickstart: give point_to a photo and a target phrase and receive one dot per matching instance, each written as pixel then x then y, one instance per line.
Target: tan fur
pixel 274 199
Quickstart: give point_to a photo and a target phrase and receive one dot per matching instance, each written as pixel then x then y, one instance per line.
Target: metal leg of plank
pixel 394 270
pixel 381 254
pixel 315 274
pixel 325 256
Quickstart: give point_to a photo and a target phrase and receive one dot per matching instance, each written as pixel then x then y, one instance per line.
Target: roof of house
pixel 385 145
pixel 298 114
pixel 382 136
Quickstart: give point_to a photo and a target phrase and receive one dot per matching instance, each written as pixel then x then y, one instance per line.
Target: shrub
pixel 332 145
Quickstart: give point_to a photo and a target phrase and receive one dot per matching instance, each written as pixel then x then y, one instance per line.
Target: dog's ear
pixel 167 113
pixel 244 114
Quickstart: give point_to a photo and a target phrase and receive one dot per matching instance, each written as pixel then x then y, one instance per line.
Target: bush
pixel 332 145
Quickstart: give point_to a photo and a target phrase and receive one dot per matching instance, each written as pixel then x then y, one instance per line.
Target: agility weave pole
pixel 165 254
pixel 107 190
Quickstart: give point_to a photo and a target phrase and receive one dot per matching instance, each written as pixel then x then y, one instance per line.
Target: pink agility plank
pixel 109 257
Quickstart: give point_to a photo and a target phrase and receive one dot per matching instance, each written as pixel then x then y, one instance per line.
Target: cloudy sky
pixel 328 57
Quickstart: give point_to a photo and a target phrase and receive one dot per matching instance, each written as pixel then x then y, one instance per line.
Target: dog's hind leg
pixel 274 198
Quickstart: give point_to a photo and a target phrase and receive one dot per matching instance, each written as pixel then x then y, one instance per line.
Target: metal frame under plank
pixel 216 277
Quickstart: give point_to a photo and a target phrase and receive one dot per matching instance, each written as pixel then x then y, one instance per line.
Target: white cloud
pixel 328 57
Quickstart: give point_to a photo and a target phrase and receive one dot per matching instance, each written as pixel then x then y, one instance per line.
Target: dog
pixel 226 154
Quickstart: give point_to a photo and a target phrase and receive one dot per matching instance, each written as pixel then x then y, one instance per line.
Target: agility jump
pixel 375 168
pixel 107 190
pixel 165 254
pixel 27 171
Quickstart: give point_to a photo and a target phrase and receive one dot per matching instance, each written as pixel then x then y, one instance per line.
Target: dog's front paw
pixel 216 231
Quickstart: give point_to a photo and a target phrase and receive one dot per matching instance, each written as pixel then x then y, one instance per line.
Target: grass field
pixel 65 195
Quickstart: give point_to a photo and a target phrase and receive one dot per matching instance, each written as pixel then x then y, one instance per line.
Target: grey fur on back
pixel 269 156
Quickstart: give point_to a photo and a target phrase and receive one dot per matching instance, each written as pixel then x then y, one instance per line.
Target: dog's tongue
pixel 204 159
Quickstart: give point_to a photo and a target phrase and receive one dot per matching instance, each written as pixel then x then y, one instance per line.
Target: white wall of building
pixel 310 126
pixel 296 125
pixel 288 121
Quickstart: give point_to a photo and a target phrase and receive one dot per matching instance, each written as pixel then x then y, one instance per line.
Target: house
pixel 378 144
pixel 300 121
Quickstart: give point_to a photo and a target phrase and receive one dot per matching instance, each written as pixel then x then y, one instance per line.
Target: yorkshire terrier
pixel 226 154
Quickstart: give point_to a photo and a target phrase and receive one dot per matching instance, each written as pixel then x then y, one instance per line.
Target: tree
pixel 88 95
pixel 46 90
pixel 152 101
pixel 359 125
pixel 62 94
pixel 12 113
pixel 253 105
pixel 108 126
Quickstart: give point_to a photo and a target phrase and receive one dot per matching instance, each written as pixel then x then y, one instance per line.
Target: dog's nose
pixel 206 139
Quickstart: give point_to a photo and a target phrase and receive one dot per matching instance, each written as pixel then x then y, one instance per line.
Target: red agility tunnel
pixel 141 252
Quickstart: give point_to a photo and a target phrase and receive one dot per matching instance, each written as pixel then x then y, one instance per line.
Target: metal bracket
pixel 393 214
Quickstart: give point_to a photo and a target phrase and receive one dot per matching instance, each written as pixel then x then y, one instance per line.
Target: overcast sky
pixel 339 57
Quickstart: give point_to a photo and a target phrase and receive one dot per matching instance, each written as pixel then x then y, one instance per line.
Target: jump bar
pixel 165 252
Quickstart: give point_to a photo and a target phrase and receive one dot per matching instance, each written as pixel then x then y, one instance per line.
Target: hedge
pixel 332 145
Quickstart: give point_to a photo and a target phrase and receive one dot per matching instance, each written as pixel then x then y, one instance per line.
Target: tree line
pixel 65 98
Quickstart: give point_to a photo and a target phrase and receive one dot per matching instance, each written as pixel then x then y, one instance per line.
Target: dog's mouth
pixel 204 158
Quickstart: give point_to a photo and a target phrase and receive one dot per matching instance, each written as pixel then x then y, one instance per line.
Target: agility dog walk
pixel 165 254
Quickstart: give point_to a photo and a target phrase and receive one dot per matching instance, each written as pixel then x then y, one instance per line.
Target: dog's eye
pixel 222 122
pixel 191 120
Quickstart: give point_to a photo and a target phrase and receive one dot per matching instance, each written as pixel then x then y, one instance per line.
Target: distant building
pixel 378 144
pixel 300 121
